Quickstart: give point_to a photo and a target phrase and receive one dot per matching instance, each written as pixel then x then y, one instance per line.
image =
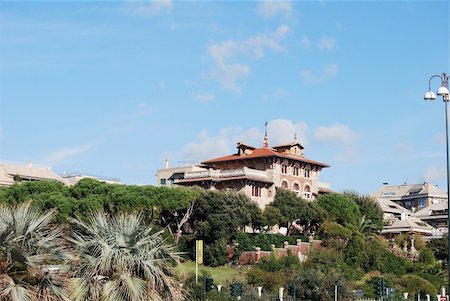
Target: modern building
pixel 392 211
pixel 257 172
pixel 412 196
pixel 73 178
pixel 168 175
pixel 11 173
pixel 408 225
pixel 435 215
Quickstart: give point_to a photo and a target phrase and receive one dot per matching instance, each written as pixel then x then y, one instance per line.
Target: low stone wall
pixel 301 250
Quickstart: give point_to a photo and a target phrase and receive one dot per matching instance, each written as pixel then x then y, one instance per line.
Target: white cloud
pixel 228 73
pixel 327 43
pixel 65 153
pixel 306 42
pixel 337 132
pixel 271 8
pixel 206 146
pixel 205 97
pixel 434 173
pixel 309 77
pixel 280 131
pixel 340 135
pixel 149 8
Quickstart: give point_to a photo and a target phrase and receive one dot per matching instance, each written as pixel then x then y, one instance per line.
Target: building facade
pixel 12 173
pixel 412 196
pixel 258 172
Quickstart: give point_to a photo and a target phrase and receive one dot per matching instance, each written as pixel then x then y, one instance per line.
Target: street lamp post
pixel 429 95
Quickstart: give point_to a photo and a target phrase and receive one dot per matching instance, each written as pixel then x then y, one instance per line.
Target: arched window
pixel 284 185
pixel 296 187
pixel 307 192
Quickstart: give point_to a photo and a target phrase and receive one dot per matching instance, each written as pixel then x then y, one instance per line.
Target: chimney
pixel 166 164
pixel 403 216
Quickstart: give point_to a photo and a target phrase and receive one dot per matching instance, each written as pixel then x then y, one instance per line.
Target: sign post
pixel 198 257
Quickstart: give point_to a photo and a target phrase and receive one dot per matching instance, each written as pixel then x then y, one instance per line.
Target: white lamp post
pixel 429 95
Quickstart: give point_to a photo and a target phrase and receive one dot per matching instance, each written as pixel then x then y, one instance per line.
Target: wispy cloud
pixel 309 77
pixel 63 154
pixel 205 97
pixel 149 7
pixel 228 73
pixel 306 42
pixel 341 135
pixel 270 8
pixel 326 43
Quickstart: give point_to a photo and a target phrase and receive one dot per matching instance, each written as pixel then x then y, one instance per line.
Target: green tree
pixel 272 216
pixel 217 219
pixel 340 208
pixel 292 207
pixel 370 209
pixel 417 285
pixel 119 258
pixel 439 246
pixel 29 243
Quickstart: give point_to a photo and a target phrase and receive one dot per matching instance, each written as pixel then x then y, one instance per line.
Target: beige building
pixel 412 196
pixel 257 172
pixel 435 215
pixel 75 177
pixel 11 173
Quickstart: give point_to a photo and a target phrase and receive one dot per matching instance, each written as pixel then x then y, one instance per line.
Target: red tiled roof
pixel 223 179
pixel 263 152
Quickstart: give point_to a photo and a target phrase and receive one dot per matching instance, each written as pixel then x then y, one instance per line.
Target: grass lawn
pixel 221 274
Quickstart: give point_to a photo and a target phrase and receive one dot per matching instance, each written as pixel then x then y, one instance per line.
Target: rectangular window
pixel 422 203
pixel 284 168
pixel 295 171
pixel 163 182
pixel 306 173
pixel 256 191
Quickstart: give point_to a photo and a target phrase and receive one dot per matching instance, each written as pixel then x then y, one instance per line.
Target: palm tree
pixel 119 258
pixel 31 255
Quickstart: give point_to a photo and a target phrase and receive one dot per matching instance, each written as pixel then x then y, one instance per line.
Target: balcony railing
pixel 226 173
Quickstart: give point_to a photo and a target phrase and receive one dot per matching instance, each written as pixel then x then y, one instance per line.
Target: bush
pixel 271 281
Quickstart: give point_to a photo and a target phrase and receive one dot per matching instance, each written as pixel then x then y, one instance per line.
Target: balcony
pixel 227 173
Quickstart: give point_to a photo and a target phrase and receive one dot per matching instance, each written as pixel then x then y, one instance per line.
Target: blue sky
pixel 114 88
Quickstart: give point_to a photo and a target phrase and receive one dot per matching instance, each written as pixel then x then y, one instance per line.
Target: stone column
pixel 259 288
pixel 280 291
pixel 299 242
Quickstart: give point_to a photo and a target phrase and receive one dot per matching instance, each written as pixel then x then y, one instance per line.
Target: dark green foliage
pixel 440 248
pixel 271 281
pixel 272 216
pixel 293 209
pixel 426 256
pixel 369 208
pixel 217 219
pixel 340 208
pixel 417 285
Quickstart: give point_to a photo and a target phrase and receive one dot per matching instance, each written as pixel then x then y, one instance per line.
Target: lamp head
pixel 442 91
pixel 429 95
